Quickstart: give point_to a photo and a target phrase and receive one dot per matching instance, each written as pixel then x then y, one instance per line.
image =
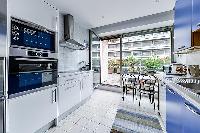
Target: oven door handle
pixel 28 59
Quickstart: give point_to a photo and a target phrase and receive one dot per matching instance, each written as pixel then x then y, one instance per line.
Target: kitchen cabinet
pixel 173 111
pixel 191 115
pixel 181 115
pixel 73 89
pixel 28 113
pixel 182 24
pixel 196 23
pixel 69 95
pixel 87 85
pixel 195 15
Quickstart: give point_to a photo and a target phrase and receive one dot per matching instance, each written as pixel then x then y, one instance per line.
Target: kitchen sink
pixel 191 83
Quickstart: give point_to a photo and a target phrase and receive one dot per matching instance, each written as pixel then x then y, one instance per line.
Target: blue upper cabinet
pixel 182 24
pixel 196 15
pixel 196 23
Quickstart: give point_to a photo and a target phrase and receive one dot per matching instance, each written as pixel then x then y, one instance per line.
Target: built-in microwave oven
pixel 196 38
pixel 27 75
pixel 31 40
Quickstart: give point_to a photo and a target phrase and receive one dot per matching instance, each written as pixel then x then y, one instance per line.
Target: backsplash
pixel 70 59
pixel 189 59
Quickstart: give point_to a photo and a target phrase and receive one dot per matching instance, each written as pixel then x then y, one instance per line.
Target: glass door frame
pixel 121 36
pixel 90 51
pixel 120 56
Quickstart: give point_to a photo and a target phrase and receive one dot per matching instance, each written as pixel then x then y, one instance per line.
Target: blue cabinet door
pixel 196 15
pixel 182 24
pixel 173 111
pixel 191 115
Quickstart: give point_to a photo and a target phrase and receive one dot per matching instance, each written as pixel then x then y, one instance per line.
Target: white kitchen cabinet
pixel 87 85
pixel 69 95
pixel 73 89
pixel 28 113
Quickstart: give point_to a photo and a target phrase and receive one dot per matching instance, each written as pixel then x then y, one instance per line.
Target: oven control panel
pixel 38 54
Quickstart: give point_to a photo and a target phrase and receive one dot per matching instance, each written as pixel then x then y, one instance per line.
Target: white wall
pixel 104 60
pixel 69 59
pixel 36 11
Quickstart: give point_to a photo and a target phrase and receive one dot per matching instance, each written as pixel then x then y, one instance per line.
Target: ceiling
pixel 96 13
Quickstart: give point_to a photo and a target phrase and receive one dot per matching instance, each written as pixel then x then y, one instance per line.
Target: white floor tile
pixel 98 114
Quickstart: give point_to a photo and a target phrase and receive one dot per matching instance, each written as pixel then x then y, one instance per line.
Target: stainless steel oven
pixel 27 75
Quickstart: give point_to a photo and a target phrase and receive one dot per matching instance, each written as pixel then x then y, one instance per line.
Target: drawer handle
pixel 191 108
pixel 171 91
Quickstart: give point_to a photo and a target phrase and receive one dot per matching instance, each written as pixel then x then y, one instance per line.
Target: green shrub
pixel 153 63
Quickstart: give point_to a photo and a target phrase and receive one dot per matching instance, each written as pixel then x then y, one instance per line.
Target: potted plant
pixel 131 61
pixel 153 64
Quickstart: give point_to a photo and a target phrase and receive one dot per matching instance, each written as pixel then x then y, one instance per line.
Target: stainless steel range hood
pixel 69 40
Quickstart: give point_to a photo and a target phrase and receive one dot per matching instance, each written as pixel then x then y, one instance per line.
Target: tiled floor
pixel 113 79
pixel 98 114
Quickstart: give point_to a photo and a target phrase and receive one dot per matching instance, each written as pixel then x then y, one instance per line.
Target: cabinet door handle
pixel 191 108
pixel 171 91
pixel 181 47
pixel 54 96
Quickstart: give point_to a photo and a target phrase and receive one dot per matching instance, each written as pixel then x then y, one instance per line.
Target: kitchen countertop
pixel 183 91
pixel 74 71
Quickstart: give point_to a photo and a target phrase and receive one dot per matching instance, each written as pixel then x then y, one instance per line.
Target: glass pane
pixel 138 51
